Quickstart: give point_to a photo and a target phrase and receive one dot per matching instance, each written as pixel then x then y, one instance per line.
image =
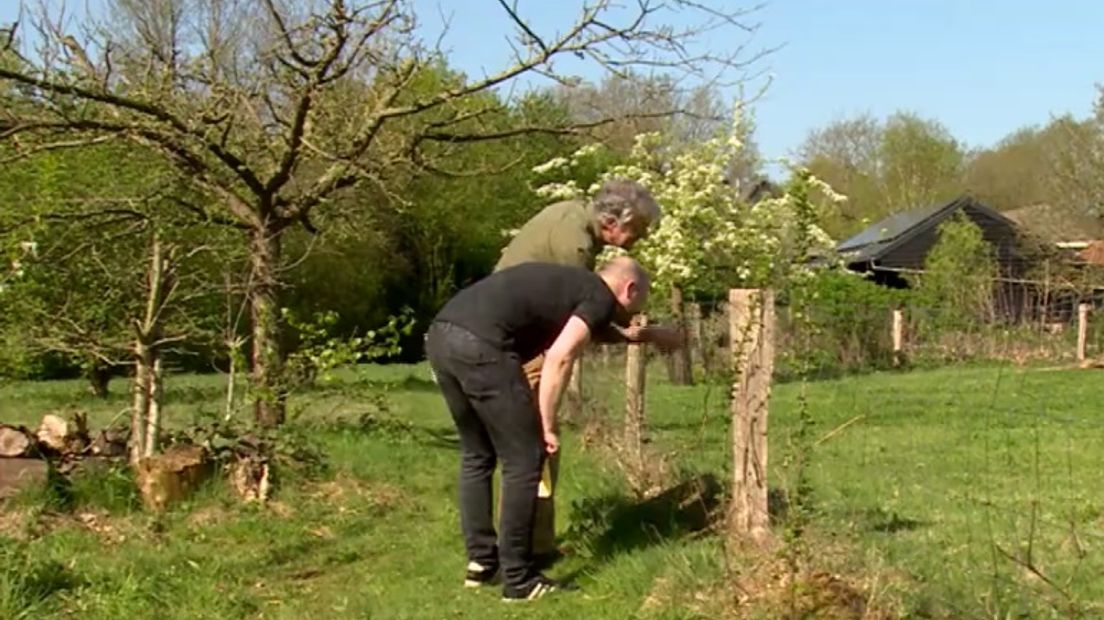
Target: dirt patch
pixel 281 509
pixel 110 529
pixel 16 522
pixel 770 591
pixel 323 532
pixel 209 516
pixel 344 490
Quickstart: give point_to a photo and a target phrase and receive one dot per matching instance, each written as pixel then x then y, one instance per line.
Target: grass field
pixel 964 492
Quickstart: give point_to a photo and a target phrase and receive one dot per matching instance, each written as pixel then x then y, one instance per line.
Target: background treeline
pixel 77 223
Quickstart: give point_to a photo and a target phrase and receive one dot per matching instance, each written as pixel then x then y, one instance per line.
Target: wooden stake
pixel 635 367
pixel 681 367
pixel 695 342
pixel 1082 330
pixel 898 336
pixel 751 323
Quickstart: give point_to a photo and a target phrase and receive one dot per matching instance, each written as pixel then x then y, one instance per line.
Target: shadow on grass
pixel 609 525
pixel 891 522
pixel 28 582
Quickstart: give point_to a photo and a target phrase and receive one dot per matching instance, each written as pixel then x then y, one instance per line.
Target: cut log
pixel 164 479
pixel 62 436
pixel 109 443
pixel 53 433
pixel 17 474
pixel 15 441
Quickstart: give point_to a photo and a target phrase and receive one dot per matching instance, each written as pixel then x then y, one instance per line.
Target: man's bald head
pixel 628 281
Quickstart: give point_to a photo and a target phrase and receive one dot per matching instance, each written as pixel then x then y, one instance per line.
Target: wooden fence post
pixel 751 324
pixel 898 336
pixel 635 366
pixel 680 364
pixel 694 340
pixel 1082 330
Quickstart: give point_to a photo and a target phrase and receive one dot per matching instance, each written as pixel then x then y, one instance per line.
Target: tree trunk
pixel 99 378
pixel 264 291
pixel 153 419
pixel 145 417
pixel 680 368
pixel 139 412
pixel 231 380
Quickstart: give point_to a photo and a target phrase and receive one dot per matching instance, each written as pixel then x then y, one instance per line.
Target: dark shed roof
pixel 901 242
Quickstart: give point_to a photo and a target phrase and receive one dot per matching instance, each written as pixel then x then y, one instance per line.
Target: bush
pixel 836 322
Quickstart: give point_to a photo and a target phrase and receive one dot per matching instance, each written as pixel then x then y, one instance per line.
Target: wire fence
pixel 954 464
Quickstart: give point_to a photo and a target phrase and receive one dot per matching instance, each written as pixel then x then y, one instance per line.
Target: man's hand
pixel 633 333
pixel 551 442
pixel 665 339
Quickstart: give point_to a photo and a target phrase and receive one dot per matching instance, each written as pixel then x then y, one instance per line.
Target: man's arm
pixel 614 334
pixel 665 338
pixel 554 374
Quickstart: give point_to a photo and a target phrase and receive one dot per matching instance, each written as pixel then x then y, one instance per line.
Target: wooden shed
pixel 897 246
pixel 900 243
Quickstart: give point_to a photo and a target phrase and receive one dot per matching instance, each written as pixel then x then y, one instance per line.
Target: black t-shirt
pixel 523 308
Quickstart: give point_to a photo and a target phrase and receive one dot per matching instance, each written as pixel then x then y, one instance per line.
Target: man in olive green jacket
pixel 574 232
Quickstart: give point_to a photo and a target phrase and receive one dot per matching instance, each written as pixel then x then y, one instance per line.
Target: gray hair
pixel 621 200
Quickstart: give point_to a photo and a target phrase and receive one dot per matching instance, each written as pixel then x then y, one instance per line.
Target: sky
pixel 983 68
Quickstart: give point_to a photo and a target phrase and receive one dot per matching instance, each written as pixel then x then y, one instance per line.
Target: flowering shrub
pixel 709 239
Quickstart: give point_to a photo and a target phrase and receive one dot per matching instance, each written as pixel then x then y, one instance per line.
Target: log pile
pixel 59 438
pixel 64 444
pixel 27 454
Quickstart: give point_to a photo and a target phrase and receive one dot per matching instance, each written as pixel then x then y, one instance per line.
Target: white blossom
pixel 550 165
pixel 706 231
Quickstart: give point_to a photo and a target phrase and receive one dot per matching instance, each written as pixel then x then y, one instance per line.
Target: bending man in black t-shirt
pixel 477 346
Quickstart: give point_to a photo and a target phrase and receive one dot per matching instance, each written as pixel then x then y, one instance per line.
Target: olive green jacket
pixel 565 233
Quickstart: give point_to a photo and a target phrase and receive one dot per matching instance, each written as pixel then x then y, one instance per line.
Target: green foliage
pixel 959 277
pixel 921 161
pixel 883 167
pixel 1018 171
pixel 77 233
pixel 108 487
pixel 416 238
pixel 837 321
pixel 319 353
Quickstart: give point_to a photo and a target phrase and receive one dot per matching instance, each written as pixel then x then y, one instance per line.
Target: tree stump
pixel 250 477
pixel 164 479
pixel 15 441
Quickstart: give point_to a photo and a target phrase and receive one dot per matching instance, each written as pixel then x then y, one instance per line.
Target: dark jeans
pixel 494 411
